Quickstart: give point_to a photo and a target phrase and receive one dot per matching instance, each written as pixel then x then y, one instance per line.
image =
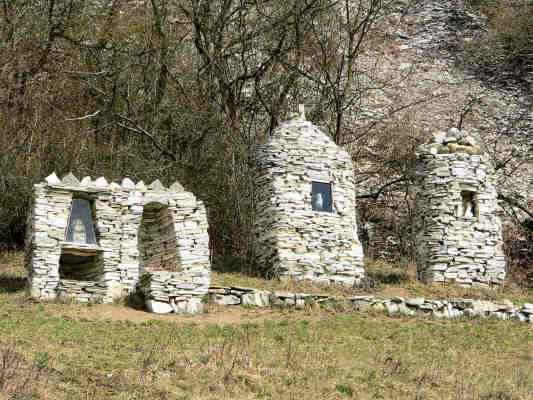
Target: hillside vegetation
pixel 185 89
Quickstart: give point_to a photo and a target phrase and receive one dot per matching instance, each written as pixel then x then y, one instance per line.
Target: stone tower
pixel 305 224
pixel 458 231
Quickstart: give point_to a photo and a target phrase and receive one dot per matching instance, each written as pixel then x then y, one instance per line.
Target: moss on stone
pixel 442 149
pixel 457 148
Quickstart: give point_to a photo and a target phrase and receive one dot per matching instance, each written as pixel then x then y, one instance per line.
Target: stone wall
pixel 459 234
pixel 169 292
pixel 291 238
pixel 452 308
pixel 173 235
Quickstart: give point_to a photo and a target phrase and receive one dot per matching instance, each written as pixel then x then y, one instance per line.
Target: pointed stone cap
pixel 86 181
pixel 100 182
pixel 114 185
pixel 177 187
pixel 70 180
pixel 140 185
pixel 157 186
pixel 52 179
pixel 127 183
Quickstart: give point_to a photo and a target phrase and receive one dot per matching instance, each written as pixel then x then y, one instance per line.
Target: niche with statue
pixel 80 257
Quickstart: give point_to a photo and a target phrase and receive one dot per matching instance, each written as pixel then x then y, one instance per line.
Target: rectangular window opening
pixel 469 204
pixel 321 197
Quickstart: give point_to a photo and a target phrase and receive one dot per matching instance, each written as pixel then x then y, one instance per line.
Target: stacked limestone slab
pixel 458 231
pixel 139 230
pixel 292 240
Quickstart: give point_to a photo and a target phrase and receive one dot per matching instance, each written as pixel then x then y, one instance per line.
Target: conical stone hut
pixel 305 225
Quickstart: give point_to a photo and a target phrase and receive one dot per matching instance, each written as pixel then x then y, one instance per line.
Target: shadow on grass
pixel 12 284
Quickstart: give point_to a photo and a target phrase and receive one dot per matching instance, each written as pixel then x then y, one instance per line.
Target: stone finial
pixel 114 185
pixel 86 181
pixel 140 185
pixel 52 179
pixel 101 182
pixel 70 180
pixel 156 185
pixel 301 111
pixel 177 187
pixel 127 183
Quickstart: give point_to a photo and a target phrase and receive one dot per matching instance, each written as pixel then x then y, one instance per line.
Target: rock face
pixel 134 230
pixel 458 231
pixel 306 223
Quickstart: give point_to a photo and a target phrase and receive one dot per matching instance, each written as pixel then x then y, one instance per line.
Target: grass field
pixel 68 351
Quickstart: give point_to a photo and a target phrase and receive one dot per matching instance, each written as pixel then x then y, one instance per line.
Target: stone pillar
pixel 459 234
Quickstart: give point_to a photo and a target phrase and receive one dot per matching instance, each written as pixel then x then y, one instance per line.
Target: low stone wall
pixel 172 292
pixel 453 308
pixel 81 291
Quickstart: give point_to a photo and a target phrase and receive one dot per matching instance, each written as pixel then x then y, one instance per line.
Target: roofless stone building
pixel 305 224
pixel 94 241
pixel 458 231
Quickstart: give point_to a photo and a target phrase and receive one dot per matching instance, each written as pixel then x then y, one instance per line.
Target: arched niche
pixel 158 247
pixel 81 257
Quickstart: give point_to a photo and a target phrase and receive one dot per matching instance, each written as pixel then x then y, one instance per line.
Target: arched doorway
pixel 158 247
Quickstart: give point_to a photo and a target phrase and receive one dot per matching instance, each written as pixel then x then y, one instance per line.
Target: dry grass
pixel 309 354
pixel 386 281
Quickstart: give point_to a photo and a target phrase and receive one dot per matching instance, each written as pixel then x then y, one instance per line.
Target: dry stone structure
pixel 93 241
pixel 458 231
pixel 450 308
pixel 305 224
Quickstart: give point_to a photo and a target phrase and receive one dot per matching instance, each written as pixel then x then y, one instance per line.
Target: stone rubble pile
pixel 293 239
pixel 458 230
pixel 138 229
pixel 454 308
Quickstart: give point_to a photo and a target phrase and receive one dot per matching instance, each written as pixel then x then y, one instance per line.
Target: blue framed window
pixel 321 199
pixel 80 225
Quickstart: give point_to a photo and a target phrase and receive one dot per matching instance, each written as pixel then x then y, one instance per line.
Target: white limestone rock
pixel 156 186
pixel 256 299
pixel 100 182
pixel 127 183
pixel 158 307
pixel 86 181
pixel 52 179
pixel 70 180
